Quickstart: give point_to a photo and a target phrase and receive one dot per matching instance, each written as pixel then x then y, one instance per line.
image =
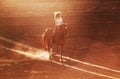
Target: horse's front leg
pixel 61 51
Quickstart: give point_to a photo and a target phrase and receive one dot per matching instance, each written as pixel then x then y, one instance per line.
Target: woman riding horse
pixel 54 38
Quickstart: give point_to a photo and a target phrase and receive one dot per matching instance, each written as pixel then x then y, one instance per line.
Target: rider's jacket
pixel 58 21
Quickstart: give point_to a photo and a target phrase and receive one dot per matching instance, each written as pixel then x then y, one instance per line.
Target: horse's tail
pixel 44 37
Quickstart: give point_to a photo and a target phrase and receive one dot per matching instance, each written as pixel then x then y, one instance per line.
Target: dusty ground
pixel 94 38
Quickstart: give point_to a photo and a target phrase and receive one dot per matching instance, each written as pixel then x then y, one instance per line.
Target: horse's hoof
pixel 60 60
pixel 51 57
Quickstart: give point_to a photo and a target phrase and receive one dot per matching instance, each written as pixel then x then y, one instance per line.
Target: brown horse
pixel 54 39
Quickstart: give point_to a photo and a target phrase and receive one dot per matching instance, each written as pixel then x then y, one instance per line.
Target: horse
pixel 54 39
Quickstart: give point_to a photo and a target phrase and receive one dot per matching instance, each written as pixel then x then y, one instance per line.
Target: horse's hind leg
pixel 51 54
pixel 50 51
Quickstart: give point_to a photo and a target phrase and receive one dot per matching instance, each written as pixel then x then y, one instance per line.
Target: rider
pixel 58 19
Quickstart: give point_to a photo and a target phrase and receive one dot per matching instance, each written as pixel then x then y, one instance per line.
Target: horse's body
pixel 54 39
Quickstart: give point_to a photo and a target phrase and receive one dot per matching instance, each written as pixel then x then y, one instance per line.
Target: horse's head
pixel 64 29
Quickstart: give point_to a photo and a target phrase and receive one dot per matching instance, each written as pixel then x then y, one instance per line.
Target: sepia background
pixel 94 36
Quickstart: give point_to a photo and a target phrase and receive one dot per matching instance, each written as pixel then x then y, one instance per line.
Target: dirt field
pixel 94 38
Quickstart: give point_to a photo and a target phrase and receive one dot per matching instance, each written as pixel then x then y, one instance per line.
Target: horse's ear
pixel 66 27
pixel 66 24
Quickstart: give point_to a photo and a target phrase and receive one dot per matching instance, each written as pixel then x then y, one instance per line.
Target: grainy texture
pixel 93 26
